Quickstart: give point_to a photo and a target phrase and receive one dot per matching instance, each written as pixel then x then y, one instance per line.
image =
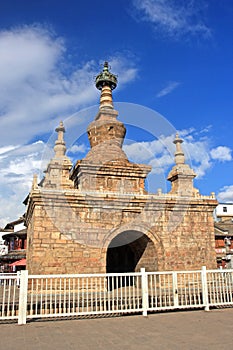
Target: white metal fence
pixel 26 296
pixel 9 296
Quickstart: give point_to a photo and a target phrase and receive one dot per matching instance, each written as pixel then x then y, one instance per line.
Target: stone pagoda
pixel 97 216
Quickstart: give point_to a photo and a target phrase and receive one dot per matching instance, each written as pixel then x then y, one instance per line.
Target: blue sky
pixel 172 57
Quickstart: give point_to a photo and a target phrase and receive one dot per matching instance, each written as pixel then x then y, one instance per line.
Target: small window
pixel 225 209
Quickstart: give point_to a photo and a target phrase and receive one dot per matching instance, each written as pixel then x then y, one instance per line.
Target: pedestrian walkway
pixel 189 330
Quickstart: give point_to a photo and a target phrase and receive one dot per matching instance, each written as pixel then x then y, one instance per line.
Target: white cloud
pixel 156 153
pixel 11 209
pixel 17 168
pixel 160 153
pixel 4 150
pixel 226 194
pixel 168 89
pixel 39 86
pixel 161 163
pixel 221 153
pixel 202 156
pixel 174 18
pixel 199 155
pixel 81 148
pixel 139 152
pixel 33 88
pixel 124 67
pixel 36 87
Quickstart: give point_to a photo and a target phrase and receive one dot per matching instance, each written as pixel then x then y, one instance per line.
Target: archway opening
pixel 129 251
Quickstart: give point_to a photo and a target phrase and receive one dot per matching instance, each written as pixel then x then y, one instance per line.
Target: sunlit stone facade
pixel 97 216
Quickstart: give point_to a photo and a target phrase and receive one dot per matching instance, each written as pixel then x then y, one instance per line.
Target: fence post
pixel 18 279
pixel 175 289
pixel 23 297
pixel 204 288
pixel 144 291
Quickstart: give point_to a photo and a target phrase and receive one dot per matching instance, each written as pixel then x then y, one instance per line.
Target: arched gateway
pixel 129 251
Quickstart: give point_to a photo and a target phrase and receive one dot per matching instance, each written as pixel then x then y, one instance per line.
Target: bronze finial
pixel 106 78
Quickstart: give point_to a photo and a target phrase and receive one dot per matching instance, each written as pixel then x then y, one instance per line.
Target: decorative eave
pixel 152 201
pixel 183 171
pixel 112 169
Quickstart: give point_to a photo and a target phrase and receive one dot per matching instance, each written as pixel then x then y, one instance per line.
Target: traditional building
pixel 98 217
pixel 223 228
pixel 13 246
pixel 223 212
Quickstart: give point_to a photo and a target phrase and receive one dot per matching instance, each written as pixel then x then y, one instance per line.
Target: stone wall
pixel 71 232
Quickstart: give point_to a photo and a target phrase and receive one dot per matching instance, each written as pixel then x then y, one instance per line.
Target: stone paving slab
pixel 189 330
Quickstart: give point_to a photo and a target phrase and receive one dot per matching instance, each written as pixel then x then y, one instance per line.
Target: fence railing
pixel 26 296
pixel 9 296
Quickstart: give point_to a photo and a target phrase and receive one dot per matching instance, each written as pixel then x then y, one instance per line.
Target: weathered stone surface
pixel 179 236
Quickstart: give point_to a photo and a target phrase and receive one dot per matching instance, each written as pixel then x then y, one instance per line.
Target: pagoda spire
pixel 106 82
pixel 179 154
pixel 181 175
pixel 58 169
pixel 106 128
pixel 60 146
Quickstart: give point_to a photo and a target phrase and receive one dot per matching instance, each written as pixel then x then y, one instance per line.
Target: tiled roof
pixel 14 255
pixel 20 233
pixel 224 228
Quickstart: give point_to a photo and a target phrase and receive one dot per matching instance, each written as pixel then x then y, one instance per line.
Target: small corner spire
pixel 60 147
pixel 35 182
pixel 179 154
pixel 106 82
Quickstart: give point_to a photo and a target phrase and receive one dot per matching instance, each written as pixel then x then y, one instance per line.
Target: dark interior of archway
pixel 123 255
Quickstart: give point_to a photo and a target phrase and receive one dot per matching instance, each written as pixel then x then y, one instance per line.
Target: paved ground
pixel 174 330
